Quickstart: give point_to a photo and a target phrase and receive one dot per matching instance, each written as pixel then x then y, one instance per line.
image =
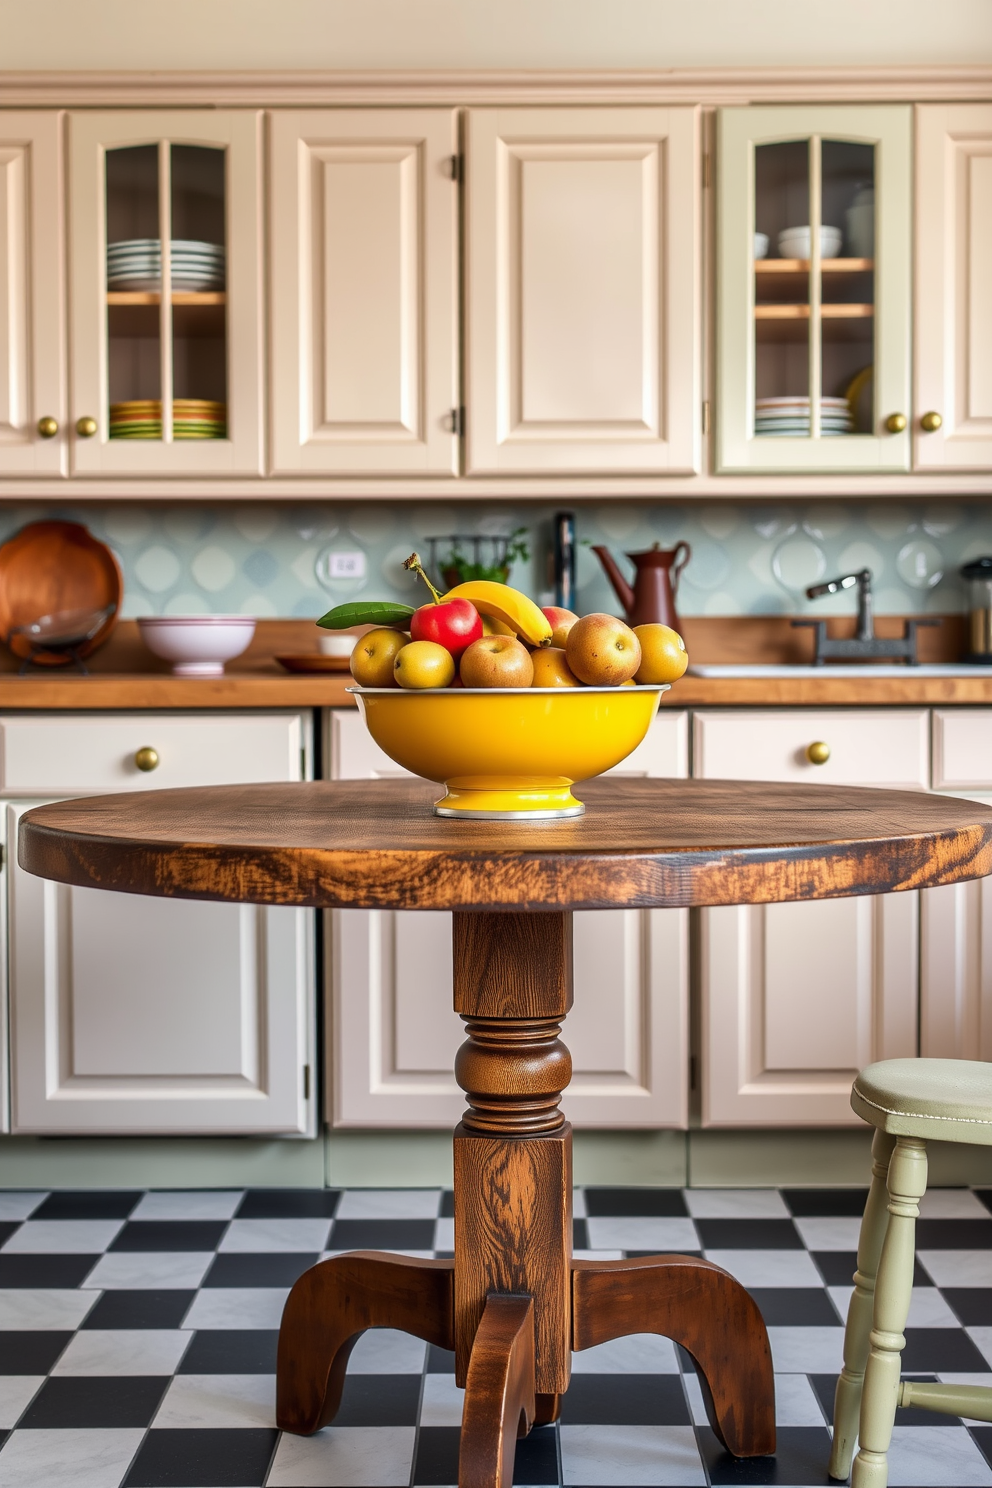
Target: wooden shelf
pixel 801 312
pixel 153 297
pixel 802 265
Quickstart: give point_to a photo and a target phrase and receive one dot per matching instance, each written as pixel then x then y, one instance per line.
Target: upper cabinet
pixel 364 292
pixel 165 289
pixel 953 424
pixel 32 302
pixel 582 274
pixel 813 289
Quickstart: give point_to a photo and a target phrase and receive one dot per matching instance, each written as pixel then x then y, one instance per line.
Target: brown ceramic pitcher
pixel 656 581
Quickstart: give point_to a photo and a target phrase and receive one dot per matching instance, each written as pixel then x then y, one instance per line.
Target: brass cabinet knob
pixel 895 423
pixel 48 427
pixel 86 427
pixel 930 423
pixel 818 753
pixel 146 759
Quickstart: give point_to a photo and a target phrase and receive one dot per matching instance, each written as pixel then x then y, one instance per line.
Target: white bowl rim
pixel 244 620
pixel 502 691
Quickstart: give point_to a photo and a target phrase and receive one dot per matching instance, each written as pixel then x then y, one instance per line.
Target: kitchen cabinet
pixel 155 1016
pixel 391 1030
pixel 32 296
pixel 796 998
pixel 813 333
pixel 953 300
pixel 173 328
pixel 582 290
pixel 364 286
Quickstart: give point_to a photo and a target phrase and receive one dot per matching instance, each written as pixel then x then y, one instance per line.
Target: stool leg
pixel 847 1400
pixel 893 1294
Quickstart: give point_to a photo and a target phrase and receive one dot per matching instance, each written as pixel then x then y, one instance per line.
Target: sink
pixel 845 669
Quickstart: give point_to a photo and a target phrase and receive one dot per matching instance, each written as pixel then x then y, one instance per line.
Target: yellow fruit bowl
pixel 508 754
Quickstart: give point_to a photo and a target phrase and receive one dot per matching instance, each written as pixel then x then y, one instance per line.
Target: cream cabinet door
pixel 956 966
pixel 796 998
pixel 582 290
pixel 392 1033
pixel 953 286
pixel 32 295
pixel 364 283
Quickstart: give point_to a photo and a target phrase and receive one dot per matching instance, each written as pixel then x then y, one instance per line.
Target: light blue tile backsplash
pixel 263 559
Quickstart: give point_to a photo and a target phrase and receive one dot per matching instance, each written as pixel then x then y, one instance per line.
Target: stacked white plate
pixel 789 417
pixel 136 263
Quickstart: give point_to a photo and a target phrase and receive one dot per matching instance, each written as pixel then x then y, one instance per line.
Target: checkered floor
pixel 138 1341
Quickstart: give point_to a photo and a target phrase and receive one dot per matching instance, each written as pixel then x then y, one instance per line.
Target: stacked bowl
pixel 136 263
pixel 785 418
pixel 192 418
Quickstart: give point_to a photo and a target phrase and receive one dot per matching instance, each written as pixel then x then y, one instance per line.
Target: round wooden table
pixel 512 1304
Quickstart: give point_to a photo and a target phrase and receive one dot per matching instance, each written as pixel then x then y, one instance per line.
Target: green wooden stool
pixel 910 1102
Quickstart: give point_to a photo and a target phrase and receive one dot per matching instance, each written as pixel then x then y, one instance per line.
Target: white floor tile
pixel 736 1203
pixel 203 1203
pixel 578 1203
pixel 294 1235
pixel 444 1234
pixel 931 1456
pixel 150 1270
pixel 952 1203
pixel 982 1339
pixel 198 1400
pixel 795 1402
pixel 630 1455
pixel 28 1309
pixel 63 1237
pixel 55 1459
pixel 639 1353
pixel 16 1393
pixel 694 1395
pixel 19 1205
pixel 817 1350
pixel 122 1351
pixel 830 1231
pixel 442 1401
pixel 389 1203
pixel 641 1233
pixel 966 1379
pixel 237 1307
pixel 768 1268
pixel 958 1268
pixel 926 1310
pixel 597 1255
pixel 344 1457
pixel 387 1351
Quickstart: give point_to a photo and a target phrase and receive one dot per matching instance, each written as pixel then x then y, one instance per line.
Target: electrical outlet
pixel 346 565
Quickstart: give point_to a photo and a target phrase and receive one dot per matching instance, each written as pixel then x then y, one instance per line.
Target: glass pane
pixel 199 299
pixel 134 277
pixel 848 286
pixel 781 290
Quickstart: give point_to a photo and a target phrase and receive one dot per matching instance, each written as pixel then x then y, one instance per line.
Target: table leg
pixel 499 1400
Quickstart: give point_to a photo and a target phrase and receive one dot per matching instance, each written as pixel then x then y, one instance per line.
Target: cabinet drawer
pixel 866 748
pixel 962 749
pixel 48 754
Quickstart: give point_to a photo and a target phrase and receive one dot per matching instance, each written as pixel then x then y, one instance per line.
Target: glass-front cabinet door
pixel 813 288
pixel 165 256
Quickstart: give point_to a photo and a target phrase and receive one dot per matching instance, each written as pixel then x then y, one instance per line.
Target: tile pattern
pixel 138 1342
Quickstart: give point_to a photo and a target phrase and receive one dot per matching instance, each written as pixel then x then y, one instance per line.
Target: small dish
pixel 312 661
pixel 197 645
pixel 794 242
pixel 761 245
pixel 340 644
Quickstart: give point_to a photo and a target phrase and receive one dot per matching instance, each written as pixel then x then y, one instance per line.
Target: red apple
pixel 453 624
pixel 561 622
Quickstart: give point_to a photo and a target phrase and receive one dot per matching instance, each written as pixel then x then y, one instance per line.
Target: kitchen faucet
pixel 865 645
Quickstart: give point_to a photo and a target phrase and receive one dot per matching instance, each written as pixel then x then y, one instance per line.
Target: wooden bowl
pixel 51 566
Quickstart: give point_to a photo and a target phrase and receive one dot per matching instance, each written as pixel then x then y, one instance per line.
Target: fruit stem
pixel 414 564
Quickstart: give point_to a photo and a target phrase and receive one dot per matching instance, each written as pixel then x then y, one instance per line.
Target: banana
pixel 500 602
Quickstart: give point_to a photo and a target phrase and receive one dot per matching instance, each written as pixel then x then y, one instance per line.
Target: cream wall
pixel 235 34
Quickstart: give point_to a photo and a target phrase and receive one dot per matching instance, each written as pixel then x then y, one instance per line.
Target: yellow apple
pixel 424 664
pixel 552 670
pixel 602 651
pixel 496 661
pixel 663 654
pixel 372 659
pixel 561 622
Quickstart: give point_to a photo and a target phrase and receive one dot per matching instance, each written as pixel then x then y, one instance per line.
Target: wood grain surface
pixel 499 1398
pixel 376 844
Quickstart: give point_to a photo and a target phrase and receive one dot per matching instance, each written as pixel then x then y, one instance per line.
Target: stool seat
pixel 943 1100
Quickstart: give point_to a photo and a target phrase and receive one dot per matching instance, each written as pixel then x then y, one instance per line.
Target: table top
pixel 641 843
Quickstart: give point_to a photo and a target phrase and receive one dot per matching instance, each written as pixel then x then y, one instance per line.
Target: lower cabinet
pixel 153 1016
pixel 391 1030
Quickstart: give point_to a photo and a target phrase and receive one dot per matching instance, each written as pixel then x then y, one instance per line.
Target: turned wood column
pixel 513 1147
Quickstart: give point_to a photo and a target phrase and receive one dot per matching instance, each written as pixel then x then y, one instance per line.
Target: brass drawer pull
pixel 818 753
pixel 146 759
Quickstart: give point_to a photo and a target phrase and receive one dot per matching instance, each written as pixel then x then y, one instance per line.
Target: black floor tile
pixel 87 1400
pixel 973 1305
pixel 447 1204
pixel 45 1270
pixel 165 1309
pixel 436 1460
pixel 801 1456
pixel 382 1234
pixel 837 1267
pixel 8 1228
pixel 537 1457
pixel 954 1234
pixel 983 1436
pixel 289 1203
pixel 794 1307
pixel 625 1400
pixel 580 1235
pixel 941 1350
pixel 86 1204
pixel 379 1400
pixel 824 1386
pixel 231 1351
pixel 209 1457
pixel 170 1234
pixel 985 1194
pixel 439 1360
pixel 806 1202
pixel 256 1269
pixel 30 1353
pixel 635 1202
pixel 748 1234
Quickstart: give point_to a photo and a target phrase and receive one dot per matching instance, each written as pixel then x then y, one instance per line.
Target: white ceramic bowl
pixel 794 242
pixel 197 645
pixel 761 245
pixel 338 644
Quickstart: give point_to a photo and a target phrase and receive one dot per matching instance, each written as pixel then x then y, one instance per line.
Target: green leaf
pixel 367 612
